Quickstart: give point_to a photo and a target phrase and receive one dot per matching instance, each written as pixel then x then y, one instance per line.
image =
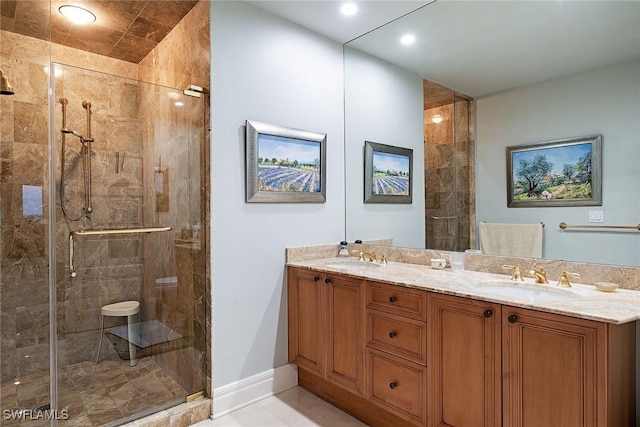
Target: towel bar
pixel 564 226
pixel 105 231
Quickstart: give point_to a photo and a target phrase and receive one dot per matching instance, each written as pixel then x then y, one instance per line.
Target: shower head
pixel 73 132
pixel 5 86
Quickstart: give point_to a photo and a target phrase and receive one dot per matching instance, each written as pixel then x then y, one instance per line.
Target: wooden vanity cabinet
pixel 464 353
pixel 493 365
pixel 326 326
pixel 394 356
pixel 562 371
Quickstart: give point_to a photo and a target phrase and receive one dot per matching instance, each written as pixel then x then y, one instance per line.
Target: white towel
pixel 524 240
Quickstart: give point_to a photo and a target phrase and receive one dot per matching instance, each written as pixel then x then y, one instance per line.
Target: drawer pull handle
pixel 316 278
pixel 327 280
pixel 488 313
pixel 512 318
pixel 392 334
pixel 393 385
pixel 392 299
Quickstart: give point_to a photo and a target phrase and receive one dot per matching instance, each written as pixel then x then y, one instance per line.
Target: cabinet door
pixel 345 332
pixel 463 361
pixel 553 366
pixel 306 319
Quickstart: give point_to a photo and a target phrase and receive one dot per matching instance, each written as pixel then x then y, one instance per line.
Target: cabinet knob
pixel 392 299
pixel 327 280
pixel 512 318
pixel 393 385
pixel 392 334
pixel 316 278
pixel 488 313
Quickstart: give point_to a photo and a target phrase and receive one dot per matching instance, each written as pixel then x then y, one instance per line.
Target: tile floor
pixel 295 407
pixel 95 394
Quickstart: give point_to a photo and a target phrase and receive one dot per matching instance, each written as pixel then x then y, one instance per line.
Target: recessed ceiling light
pixel 76 14
pixel 437 118
pixel 408 39
pixel 178 103
pixel 349 9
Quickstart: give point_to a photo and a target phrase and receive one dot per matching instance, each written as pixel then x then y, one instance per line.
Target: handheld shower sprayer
pixel 74 133
pixel 86 159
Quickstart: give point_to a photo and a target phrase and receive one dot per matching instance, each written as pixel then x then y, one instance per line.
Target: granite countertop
pixel 582 301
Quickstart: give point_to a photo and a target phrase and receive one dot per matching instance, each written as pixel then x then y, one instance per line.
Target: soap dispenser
pixel 344 250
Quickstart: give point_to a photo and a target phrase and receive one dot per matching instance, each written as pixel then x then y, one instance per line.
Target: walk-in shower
pixel 80 141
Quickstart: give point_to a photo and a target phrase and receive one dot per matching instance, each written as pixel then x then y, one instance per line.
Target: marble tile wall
pixel 177 144
pixel 23 161
pixel 108 268
pixel 24 267
pixel 183 56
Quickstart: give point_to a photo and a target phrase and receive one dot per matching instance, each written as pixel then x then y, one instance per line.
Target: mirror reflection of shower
pixel 86 160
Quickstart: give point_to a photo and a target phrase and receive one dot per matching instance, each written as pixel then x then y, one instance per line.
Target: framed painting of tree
pixel 564 172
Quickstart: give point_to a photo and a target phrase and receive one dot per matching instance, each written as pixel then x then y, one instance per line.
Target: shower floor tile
pixel 95 395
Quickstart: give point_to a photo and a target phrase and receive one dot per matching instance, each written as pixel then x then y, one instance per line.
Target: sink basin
pixel 521 290
pixel 352 265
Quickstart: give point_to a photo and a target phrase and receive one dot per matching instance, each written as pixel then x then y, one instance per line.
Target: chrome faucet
pixel 540 275
pixel 517 275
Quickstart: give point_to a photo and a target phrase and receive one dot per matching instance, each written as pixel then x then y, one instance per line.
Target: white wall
pixel 264 68
pixel 604 101
pixel 384 104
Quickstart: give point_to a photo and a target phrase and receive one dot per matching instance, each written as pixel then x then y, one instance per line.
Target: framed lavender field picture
pixel 284 165
pixel 388 173
pixel 564 172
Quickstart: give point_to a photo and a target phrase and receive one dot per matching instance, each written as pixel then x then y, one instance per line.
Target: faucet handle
pixel 383 259
pixel 517 275
pixel 540 275
pixel 563 282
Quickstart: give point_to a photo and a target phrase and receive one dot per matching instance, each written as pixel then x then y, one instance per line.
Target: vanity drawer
pixel 397 300
pixel 401 336
pixel 398 386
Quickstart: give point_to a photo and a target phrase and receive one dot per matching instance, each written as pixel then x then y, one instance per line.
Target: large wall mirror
pixel 525 72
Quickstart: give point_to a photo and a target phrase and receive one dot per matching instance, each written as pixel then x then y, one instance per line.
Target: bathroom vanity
pixel 404 344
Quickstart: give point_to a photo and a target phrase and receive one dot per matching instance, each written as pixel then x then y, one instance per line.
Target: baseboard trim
pixel 236 395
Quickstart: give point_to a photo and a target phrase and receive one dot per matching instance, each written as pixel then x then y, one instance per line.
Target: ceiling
pixel 323 17
pixel 473 47
pixel 126 30
pixel 481 47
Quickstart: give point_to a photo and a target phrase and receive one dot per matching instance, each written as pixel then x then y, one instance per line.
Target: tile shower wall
pixel 24 294
pixel 108 269
pixel 179 145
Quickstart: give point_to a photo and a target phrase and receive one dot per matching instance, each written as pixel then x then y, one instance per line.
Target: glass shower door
pixel 25 219
pixel 130 310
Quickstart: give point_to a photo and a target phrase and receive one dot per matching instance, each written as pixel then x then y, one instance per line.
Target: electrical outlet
pixel 596 216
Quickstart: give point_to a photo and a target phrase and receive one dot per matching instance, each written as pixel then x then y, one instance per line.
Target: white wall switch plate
pixel 596 216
